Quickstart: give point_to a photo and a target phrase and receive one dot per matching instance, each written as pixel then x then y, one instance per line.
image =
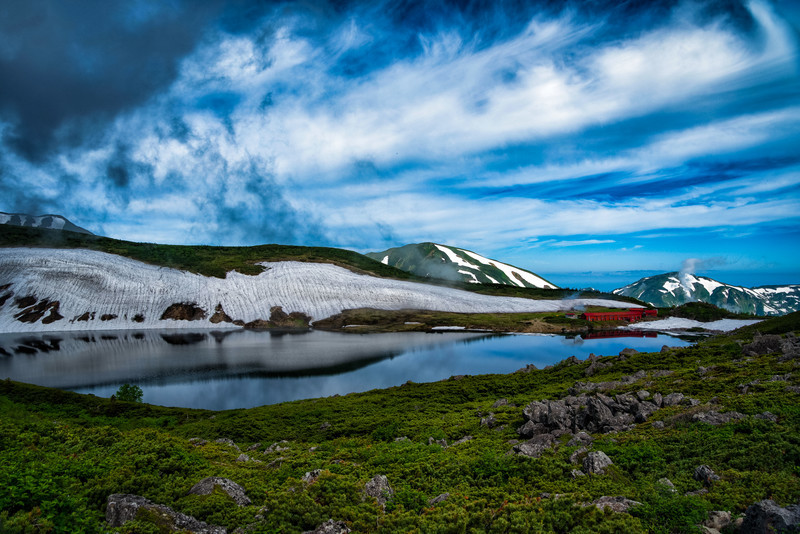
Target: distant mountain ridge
pixel 49 221
pixel 432 260
pixel 674 289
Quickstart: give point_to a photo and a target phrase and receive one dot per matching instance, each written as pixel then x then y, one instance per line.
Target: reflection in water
pixel 240 368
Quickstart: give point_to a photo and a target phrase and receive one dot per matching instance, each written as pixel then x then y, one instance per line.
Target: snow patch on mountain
pixel 129 294
pixel 678 323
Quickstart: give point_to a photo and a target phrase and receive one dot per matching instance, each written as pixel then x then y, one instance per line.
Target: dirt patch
pixel 220 316
pixel 5 298
pixel 138 318
pixel 107 317
pixel 88 316
pixel 35 311
pixel 26 302
pixel 184 311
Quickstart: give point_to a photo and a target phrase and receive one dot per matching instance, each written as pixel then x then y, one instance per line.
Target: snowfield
pixel 677 323
pixel 84 281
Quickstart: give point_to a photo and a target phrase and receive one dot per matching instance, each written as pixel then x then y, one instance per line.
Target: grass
pixel 62 454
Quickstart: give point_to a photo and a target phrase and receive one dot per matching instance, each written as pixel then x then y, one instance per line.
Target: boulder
pixel 500 402
pixel 311 476
pixel 228 442
pixel 439 498
pixel 713 417
pixel 667 483
pixel 717 520
pixel 705 474
pixel 330 527
pixel 767 517
pixel 615 504
pixel 763 345
pixel 535 446
pixel 122 508
pixel 596 462
pixel 234 490
pixel 378 487
pixel 489 421
pixel 673 399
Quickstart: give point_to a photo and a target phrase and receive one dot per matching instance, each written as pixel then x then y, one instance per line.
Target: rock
pixel 460 441
pixel 122 508
pixel 658 400
pixel 580 439
pixel 276 447
pixel 311 476
pixel 705 474
pixel 596 462
pixel 441 442
pixel 577 473
pixel 767 416
pixel 628 352
pixel 439 498
pixel 667 483
pixel 658 424
pixel 763 345
pixel 616 504
pixel 500 402
pixel 717 520
pixel 236 492
pixel 228 442
pixel 642 394
pixel 330 527
pixel 766 516
pixel 197 442
pixel 673 399
pixel 325 426
pixel 527 369
pixel 489 421
pixel 575 457
pixel 535 446
pixel 254 446
pixel 243 458
pixel 713 417
pixel 701 491
pixel 378 487
pixel 401 438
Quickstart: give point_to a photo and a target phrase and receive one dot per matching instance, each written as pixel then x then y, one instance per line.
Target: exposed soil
pixel 184 311
pixel 88 316
pixel 35 311
pixel 220 316
pixel 4 298
pixel 107 317
pixel 138 318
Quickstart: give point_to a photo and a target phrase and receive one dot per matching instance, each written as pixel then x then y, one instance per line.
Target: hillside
pixel 431 260
pixel 717 429
pixel 674 289
pixel 43 289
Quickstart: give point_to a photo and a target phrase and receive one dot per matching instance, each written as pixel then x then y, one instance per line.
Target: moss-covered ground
pixel 62 454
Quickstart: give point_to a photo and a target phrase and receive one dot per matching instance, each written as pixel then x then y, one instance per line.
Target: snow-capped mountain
pixel 46 289
pixel 674 289
pixel 450 263
pixel 52 222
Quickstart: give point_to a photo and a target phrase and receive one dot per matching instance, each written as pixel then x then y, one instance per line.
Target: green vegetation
pixel 129 393
pixel 62 454
pixel 701 311
pixel 217 261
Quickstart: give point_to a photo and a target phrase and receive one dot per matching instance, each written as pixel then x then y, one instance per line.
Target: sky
pixel 590 142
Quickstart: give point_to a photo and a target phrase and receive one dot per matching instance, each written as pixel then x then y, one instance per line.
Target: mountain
pixel 431 260
pixel 87 282
pixel 52 222
pixel 674 289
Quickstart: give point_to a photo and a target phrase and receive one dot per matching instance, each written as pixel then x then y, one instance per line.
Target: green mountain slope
pixel 431 260
pixel 63 454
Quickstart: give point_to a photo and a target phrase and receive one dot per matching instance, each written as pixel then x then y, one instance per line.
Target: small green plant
pixel 129 393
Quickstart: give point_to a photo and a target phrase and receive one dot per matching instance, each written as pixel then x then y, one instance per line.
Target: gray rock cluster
pixel 788 347
pixel 597 413
pixel 378 487
pixel 615 504
pixel 767 516
pixel 122 508
pixel 715 418
pixel 236 492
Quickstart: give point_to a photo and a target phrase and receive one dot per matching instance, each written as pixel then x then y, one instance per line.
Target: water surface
pixel 241 369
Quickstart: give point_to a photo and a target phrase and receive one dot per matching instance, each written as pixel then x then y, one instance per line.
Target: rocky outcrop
pixel 184 311
pixel 596 463
pixel 280 319
pixel 234 490
pixel 615 504
pixel 122 508
pixel 439 498
pixel 32 310
pixel 788 347
pixel 715 418
pixel 767 517
pixel 379 489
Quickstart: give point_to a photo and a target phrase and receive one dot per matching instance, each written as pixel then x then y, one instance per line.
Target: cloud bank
pixel 535 132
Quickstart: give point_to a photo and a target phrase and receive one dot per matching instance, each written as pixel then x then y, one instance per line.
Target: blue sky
pixel 588 142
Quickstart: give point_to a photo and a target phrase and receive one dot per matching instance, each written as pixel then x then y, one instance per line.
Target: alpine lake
pixel 227 369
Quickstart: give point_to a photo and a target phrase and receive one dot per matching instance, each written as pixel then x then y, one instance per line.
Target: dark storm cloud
pixel 65 61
